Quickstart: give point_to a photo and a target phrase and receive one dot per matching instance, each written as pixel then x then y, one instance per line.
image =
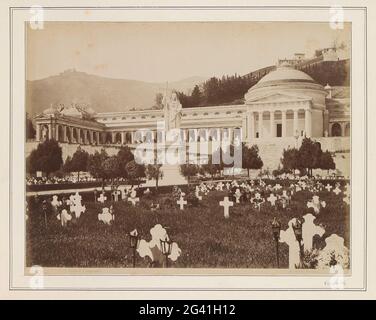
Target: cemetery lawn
pixel 206 239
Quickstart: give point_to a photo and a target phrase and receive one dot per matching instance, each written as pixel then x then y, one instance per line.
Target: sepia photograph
pixel 188 145
pixel 187 152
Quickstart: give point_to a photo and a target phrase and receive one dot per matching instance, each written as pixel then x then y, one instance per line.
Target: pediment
pixel 278 97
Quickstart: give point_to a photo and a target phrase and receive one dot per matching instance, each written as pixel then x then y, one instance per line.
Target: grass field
pixel 206 239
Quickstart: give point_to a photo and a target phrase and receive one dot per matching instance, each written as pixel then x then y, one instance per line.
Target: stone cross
pixel 309 230
pixel 106 216
pixel 220 186
pixel 238 194
pixel 133 198
pixel 288 236
pixel 77 208
pixel 272 199
pixel 257 200
pixel 55 202
pixel 64 217
pixel 337 190
pixel 102 198
pixel 226 204
pixel 316 204
pixel 328 187
pixel 181 202
pixel 277 187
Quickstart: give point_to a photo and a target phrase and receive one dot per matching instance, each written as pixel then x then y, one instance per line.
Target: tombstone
pixel 115 194
pixel 220 186
pixel 123 192
pixel 77 209
pixel 228 185
pixel 277 187
pixel 152 248
pixel 181 202
pixel 55 202
pixel 147 191
pixel 64 217
pixel 337 190
pixel 237 195
pixel 335 248
pixel 288 236
pixel 106 217
pixel 197 194
pixel 102 198
pixel 226 204
pixel 309 230
pixel 272 199
pixel 133 198
pixel 316 204
pixel 257 200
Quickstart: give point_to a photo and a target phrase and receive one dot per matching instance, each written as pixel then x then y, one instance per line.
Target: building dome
pixel 284 73
pixel 287 81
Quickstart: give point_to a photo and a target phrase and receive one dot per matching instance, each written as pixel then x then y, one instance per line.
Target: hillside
pixel 102 94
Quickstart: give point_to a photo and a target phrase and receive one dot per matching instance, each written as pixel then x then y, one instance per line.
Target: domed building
pixel 286 103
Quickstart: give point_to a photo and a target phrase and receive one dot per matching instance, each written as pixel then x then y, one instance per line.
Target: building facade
pixel 284 105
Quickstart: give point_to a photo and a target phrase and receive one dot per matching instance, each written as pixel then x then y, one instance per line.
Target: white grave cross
pixel 181 202
pixel 226 204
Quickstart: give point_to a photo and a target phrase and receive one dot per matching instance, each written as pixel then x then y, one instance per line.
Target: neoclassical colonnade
pixel 273 123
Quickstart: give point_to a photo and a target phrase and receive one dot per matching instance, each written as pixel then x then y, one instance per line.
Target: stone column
pixel 49 131
pixel 91 136
pixel 56 132
pixel 64 133
pixel 326 123
pixel 260 123
pixel 296 119
pixel 132 137
pixel 284 124
pixel 307 122
pixel 122 137
pixel 250 124
pixel 244 129
pixel 343 128
pixel 272 124
pixel 37 134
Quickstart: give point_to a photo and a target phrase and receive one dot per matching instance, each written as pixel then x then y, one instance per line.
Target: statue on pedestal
pixel 172 111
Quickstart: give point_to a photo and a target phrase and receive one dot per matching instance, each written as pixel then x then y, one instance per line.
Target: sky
pixel 171 51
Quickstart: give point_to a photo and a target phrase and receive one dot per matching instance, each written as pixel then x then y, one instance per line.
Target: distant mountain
pixel 102 94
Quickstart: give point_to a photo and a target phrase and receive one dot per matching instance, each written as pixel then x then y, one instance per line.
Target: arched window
pixel 336 130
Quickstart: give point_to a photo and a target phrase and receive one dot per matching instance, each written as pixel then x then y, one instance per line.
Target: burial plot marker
pixel 226 204
pixel 181 202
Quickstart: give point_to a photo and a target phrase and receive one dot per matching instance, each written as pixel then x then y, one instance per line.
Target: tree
pixel 310 155
pixel 154 172
pixel 79 162
pixel 158 101
pixel 95 164
pixel 124 155
pixel 196 96
pixel 290 160
pixel 135 172
pixel 67 164
pixel 188 170
pixel 111 168
pixel 30 130
pixel 251 158
pixel 327 162
pixel 47 157
pixel 211 168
